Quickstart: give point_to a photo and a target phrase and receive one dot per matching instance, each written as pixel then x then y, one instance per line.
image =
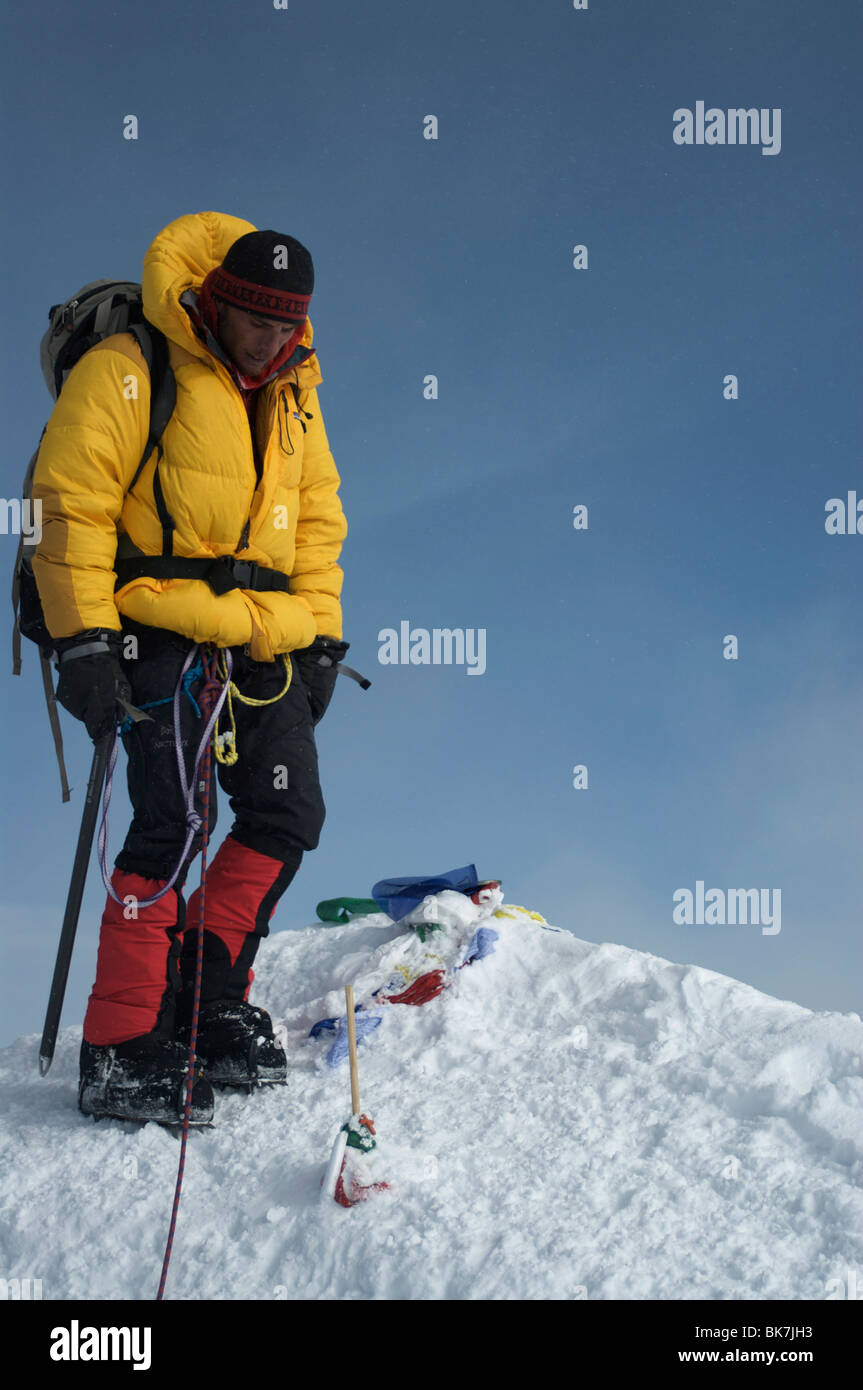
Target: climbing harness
pixel 194 673
pixel 193 819
pixel 226 743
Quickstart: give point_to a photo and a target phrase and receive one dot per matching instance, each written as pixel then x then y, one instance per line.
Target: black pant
pixel 274 788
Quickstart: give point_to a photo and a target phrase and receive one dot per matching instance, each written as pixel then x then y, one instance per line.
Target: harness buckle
pixel 245 573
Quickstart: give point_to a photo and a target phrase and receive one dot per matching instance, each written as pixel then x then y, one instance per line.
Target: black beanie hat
pixel 266 272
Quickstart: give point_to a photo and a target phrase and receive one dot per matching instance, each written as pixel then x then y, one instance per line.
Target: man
pixel 243 476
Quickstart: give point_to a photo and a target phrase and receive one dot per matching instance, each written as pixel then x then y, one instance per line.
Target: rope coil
pixel 226 743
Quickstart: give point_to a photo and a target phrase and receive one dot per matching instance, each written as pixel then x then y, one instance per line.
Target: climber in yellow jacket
pixel 243 485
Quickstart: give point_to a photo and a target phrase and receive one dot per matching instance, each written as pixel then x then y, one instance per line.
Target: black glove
pixel 317 667
pixel 91 679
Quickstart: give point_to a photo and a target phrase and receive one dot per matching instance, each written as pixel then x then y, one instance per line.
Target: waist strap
pixel 222 575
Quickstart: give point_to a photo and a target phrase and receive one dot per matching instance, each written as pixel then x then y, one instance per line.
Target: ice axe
pixel 83 851
pixel 343 1180
pixel 101 756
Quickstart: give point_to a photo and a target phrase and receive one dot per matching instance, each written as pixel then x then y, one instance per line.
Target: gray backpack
pixel 95 312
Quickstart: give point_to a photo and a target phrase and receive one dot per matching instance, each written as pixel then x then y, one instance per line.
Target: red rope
pixel 208 695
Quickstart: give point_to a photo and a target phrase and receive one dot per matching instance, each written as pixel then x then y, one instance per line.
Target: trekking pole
pixel 73 902
pixel 343 1179
pixel 352 1050
pixel 336 1165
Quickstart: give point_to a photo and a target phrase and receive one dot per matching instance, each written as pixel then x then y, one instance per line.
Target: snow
pixel 566 1120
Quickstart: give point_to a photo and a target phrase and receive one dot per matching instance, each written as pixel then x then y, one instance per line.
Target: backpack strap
pixel 16 604
pixel 54 721
pixel 163 387
pixel 163 398
pixel 167 521
pixel 19 557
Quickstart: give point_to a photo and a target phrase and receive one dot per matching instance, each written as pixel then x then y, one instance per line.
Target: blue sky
pixel 557 387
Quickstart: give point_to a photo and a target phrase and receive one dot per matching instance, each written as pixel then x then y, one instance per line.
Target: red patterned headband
pixel 274 304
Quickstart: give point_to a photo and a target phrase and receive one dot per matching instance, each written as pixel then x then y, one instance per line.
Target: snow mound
pixel 565 1120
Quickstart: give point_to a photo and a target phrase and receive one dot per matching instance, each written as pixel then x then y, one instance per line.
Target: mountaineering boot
pixel 236 1044
pixel 142 1079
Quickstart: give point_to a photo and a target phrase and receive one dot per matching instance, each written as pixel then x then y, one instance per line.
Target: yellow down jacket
pixel 94 441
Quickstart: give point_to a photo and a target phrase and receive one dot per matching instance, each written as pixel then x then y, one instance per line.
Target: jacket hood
pixel 178 260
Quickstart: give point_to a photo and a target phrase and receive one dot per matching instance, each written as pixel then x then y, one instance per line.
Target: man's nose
pixel 269 340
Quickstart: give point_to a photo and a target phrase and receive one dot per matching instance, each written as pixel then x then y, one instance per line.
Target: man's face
pixel 251 340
